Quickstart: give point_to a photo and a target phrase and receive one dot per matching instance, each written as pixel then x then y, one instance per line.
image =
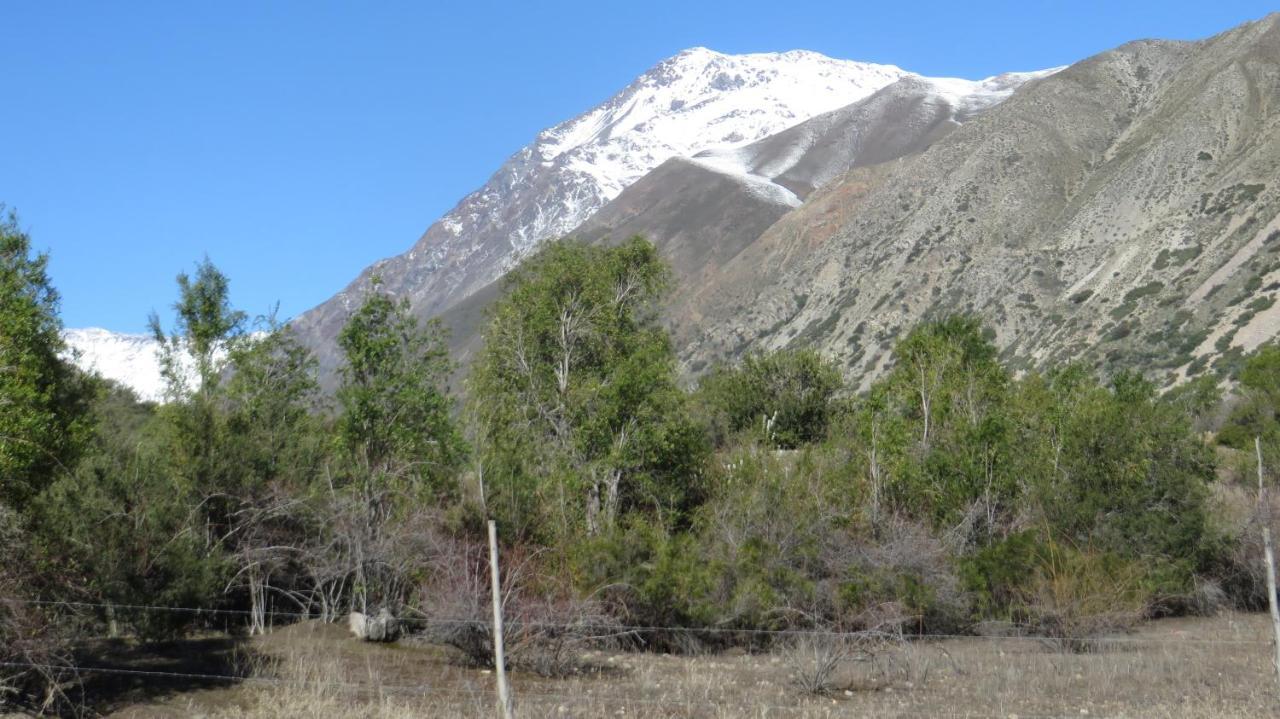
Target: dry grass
pixel 1214 668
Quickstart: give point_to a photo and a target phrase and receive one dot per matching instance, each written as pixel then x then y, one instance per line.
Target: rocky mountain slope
pixel 696 100
pixel 1124 210
pixel 703 211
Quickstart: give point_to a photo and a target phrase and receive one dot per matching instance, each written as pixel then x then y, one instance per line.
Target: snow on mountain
pixel 697 103
pixel 899 119
pixel 133 360
pixel 696 100
pixel 969 97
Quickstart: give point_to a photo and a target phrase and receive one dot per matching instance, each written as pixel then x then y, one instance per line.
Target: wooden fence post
pixel 1269 556
pixel 499 660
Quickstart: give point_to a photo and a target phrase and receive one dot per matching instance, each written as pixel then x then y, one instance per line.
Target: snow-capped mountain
pixel 718 107
pixel 901 119
pixel 132 360
pixel 694 101
pixel 697 100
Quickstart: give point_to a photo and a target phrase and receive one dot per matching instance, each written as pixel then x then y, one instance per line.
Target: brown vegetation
pixel 1213 668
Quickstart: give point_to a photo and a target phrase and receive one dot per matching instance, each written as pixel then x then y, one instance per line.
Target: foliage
pixel 949 491
pixel 1255 415
pixel 395 419
pixel 270 403
pixel 35 651
pixel 1129 475
pixel 1075 597
pixel 786 395
pixel 952 397
pixel 120 528
pixel 205 328
pixel 43 400
pixel 577 416
pixel 774 547
pixel 997 575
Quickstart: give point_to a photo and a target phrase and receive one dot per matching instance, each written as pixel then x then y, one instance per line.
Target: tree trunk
pixel 257 602
pixel 612 482
pixel 593 507
pixel 873 457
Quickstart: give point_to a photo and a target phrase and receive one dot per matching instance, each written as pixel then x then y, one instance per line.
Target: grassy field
pixel 1215 667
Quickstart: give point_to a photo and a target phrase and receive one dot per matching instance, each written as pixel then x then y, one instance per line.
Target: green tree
pixel 943 367
pixel 954 395
pixel 43 400
pixel 120 531
pixel 396 415
pixel 574 400
pixel 273 451
pixel 1257 411
pixel 398 450
pixel 206 330
pixel 269 402
pixel 1131 476
pixel 879 434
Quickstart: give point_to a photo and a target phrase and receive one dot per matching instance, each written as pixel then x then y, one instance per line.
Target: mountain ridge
pixel 1122 212
pixel 692 101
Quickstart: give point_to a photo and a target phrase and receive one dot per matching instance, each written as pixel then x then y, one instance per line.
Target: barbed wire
pixel 640 628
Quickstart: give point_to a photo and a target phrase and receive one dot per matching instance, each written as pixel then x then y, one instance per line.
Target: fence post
pixel 1265 512
pixel 499 660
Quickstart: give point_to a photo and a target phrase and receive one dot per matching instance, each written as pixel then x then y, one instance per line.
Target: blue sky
pixel 295 143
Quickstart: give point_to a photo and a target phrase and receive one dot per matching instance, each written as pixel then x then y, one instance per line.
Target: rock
pixel 381 627
pixel 356 623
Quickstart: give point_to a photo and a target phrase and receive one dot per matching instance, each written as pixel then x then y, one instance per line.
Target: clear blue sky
pixel 295 143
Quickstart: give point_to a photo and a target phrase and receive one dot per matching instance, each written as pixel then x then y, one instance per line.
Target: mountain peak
pixel 696 100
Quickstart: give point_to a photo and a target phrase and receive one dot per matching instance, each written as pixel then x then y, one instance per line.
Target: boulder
pixel 380 627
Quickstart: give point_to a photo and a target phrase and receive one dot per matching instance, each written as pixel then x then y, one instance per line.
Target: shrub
pixel 545 623
pixel 997 574
pixel 786 395
pixel 1146 290
pixel 34 647
pixel 1076 597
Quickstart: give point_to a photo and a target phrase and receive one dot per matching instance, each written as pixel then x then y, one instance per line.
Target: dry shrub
pixel 35 662
pixel 1241 572
pixel 816 659
pixel 1077 597
pixel 819 658
pixel 899 577
pixel 305 684
pixel 546 625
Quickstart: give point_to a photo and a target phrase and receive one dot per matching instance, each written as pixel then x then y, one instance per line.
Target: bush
pixel 899 577
pixel 997 575
pixel 786 396
pixel 774 548
pixel 545 624
pixel 1076 597
pixel 34 644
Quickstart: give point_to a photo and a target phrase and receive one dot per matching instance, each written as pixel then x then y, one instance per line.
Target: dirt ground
pixel 1216 667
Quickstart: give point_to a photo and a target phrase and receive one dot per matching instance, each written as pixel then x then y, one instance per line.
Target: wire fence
pixel 476 693
pixel 1012 631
